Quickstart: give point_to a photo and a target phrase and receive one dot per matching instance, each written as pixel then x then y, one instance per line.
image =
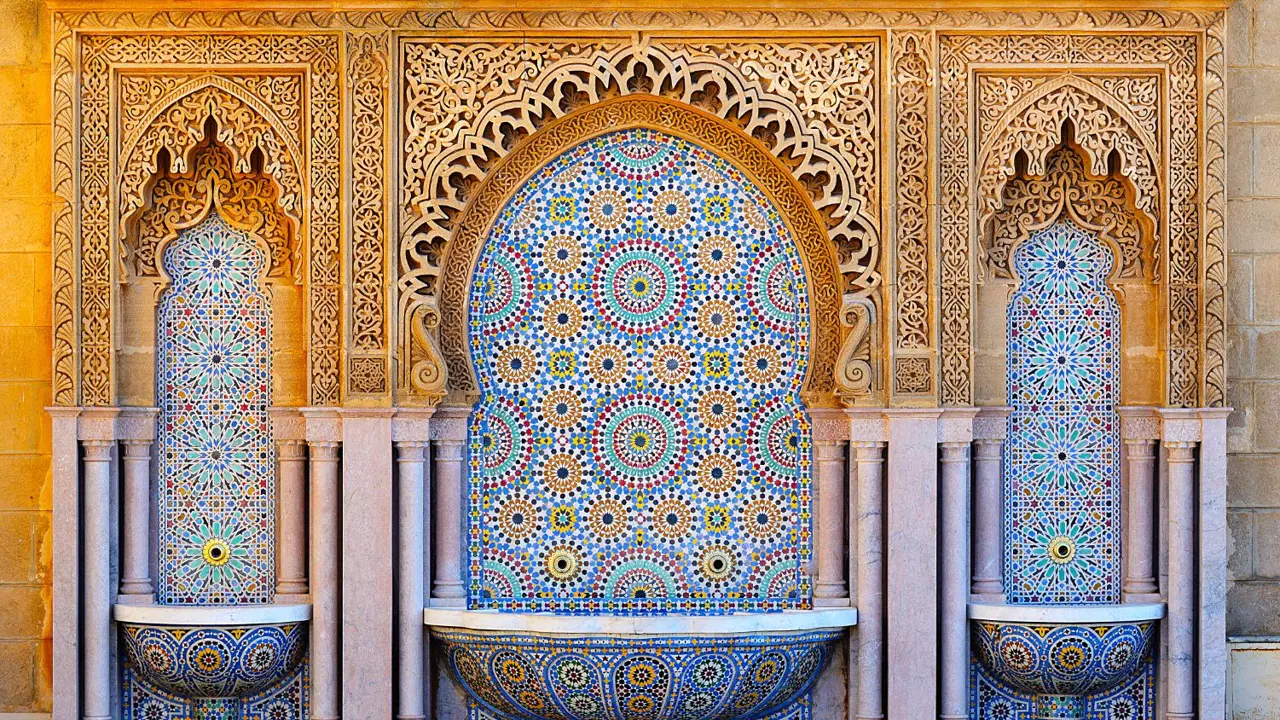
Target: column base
pixel 292 587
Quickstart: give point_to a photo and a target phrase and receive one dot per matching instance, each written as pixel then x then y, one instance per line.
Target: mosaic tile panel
pixel 639 326
pixel 991 699
pixel 1061 460
pixel 217 480
pixel 607 678
pixel 289 699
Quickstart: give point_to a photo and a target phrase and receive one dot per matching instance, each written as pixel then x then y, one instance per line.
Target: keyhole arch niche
pixel 682 321
pixel 219 172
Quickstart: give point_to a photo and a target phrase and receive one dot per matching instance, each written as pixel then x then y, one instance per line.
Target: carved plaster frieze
pixel 813 105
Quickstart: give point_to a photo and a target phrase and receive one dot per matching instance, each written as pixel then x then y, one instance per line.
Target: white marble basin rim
pixel 211 615
pixel 1066 614
pixel 789 621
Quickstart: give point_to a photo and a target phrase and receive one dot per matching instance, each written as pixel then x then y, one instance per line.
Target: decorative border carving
pixel 708 131
pixel 469 103
pixel 1214 357
pixel 102 58
pixel 368 75
pixel 913 329
pixel 64 249
pixel 1176 56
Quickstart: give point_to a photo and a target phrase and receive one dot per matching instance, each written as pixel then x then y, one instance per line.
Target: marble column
pixel 291 524
pixel 323 430
pixel 1212 635
pixel 1139 430
pixel 869 685
pixel 411 433
pixel 66 573
pixel 98 593
pixel 990 429
pixel 136 430
pixel 955 435
pixel 830 436
pixel 449 433
pixel 1181 594
pixel 368 573
pixel 912 562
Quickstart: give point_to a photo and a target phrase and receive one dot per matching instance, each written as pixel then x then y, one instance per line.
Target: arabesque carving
pixel 1032 203
pixel 717 136
pixel 248 201
pixel 467 104
pixel 369 77
pixel 106 58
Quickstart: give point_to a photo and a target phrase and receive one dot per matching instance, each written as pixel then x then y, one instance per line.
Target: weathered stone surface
pixel 1254 608
pixel 1254 481
pixel 1240 545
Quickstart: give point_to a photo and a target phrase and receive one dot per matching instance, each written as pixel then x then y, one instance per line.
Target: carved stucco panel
pixel 103 59
pixel 466 104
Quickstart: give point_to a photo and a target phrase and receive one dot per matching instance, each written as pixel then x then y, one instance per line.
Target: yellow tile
pixel 28 224
pixel 17 564
pixel 24 479
pixel 17 675
pixel 25 353
pixel 25 157
pixel 24 424
pixel 24 94
pixel 18 293
pixel 24 34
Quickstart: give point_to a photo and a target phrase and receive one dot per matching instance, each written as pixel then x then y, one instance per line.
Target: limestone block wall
pixel 1253 330
pixel 25 339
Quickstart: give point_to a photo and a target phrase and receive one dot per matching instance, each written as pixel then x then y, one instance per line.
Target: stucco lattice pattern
pixel 1061 462
pixel 217 479
pixel 684 678
pixel 640 329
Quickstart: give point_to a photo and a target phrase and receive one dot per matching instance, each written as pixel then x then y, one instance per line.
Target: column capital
pixel 137 424
pixel 287 423
pixel 321 425
pixel 867 424
pixel 956 425
pixel 412 424
pixel 992 423
pixel 291 449
pixel 98 423
pixel 1139 422
pixel 450 425
pixel 1179 425
pixel 830 426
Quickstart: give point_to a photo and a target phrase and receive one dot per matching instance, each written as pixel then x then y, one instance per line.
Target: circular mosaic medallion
pixel 505 293
pixel 639 158
pixel 639 441
pixel 717 255
pixel 562 254
pixel 717 473
pixel 637 287
pixel 762 363
pixel 562 473
pixel 504 440
pixel 716 319
pixel 516 364
pixel 608 209
pixel 562 319
pixel 672 518
pixel 775 442
pixel 771 292
pixel 607 364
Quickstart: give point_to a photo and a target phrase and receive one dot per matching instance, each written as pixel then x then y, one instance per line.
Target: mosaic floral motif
pixel 1061 460
pixel 214 661
pixel 640 330
pixel 674 678
pixel 992 699
pixel 1062 659
pixel 217 496
pixel 287 700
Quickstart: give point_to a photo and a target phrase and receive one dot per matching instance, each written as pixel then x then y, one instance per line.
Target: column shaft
pixel 1139 541
pixel 411 489
pixel 291 527
pixel 870 530
pixel 830 589
pixel 450 528
pixel 954 591
pixel 1182 580
pixel 135 575
pixel 324 580
pixel 97 640
pixel 988 510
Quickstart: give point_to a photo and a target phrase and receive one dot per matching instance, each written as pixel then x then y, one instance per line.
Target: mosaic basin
pixel 214 655
pixel 1063 654
pixel 539 667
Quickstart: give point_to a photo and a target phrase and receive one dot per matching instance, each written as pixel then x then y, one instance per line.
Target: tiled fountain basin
pixel 542 666
pixel 215 656
pixel 1063 654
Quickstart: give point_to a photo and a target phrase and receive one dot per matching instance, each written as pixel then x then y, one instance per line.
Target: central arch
pixel 760 168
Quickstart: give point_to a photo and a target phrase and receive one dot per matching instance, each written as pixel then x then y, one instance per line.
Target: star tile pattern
pixel 639 325
pixel 1061 461
pixel 217 479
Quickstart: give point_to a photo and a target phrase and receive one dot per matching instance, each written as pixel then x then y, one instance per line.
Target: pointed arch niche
pixel 1067 184
pixel 236 183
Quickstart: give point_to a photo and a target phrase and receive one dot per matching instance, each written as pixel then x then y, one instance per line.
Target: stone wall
pixel 1253 227
pixel 25 539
